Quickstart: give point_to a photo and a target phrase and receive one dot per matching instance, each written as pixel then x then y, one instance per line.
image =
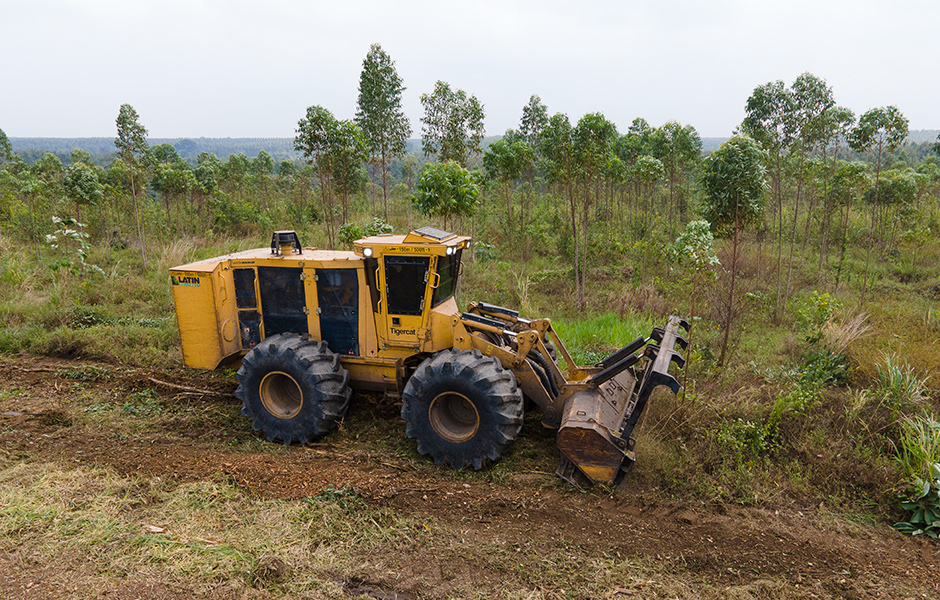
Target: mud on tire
pixel 293 388
pixel 463 408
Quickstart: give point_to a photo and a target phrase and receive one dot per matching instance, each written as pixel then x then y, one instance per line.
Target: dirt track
pixel 802 546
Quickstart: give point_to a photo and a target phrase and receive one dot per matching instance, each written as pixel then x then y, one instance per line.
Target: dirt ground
pixel 733 545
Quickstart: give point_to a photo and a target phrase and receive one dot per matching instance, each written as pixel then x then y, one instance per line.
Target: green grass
pixel 593 339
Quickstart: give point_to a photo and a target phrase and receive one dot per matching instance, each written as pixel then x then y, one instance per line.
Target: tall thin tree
pixel 131 143
pixel 882 130
pixel 380 115
pixel 734 199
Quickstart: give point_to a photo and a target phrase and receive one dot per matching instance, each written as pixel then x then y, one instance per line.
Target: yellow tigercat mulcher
pixel 310 326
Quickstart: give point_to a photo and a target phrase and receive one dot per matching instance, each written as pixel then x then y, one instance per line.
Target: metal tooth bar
pixel 615 368
pixel 619 354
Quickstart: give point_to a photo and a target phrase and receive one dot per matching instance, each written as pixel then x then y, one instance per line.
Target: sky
pixel 247 68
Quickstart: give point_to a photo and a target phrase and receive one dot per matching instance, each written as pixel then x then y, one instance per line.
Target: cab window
pixel 448 267
pixel 405 280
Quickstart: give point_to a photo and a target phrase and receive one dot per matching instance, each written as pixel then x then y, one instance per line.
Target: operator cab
pixel 412 278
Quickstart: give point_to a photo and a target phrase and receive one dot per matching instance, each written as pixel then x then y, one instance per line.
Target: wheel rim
pixel 281 395
pixel 454 417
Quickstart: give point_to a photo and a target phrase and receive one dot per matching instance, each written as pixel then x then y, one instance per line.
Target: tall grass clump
pixel 899 384
pixel 920 446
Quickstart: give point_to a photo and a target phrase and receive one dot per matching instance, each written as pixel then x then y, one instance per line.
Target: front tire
pixel 293 388
pixel 463 408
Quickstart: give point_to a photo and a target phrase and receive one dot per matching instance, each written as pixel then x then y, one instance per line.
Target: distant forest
pixel 30 149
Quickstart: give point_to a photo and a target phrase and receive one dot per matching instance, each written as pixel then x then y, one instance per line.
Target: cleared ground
pixel 363 516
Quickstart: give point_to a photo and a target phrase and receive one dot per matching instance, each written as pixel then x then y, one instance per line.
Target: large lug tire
pixel 293 388
pixel 463 408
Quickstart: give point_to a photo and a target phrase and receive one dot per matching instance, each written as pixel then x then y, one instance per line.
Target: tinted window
pixel 245 288
pixel 448 267
pixel 282 300
pixel 405 278
pixel 338 299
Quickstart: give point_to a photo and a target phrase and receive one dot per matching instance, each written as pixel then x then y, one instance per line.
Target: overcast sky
pixel 247 68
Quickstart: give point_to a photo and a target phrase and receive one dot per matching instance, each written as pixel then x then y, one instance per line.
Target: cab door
pixel 406 290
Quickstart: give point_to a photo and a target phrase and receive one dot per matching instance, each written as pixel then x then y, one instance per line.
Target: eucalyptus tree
pixel 594 138
pixel 848 183
pixel 262 171
pixel 768 122
pixel 133 150
pixel 812 99
pixel 679 149
pixel 733 180
pixel 505 161
pixel 172 177
pixel 881 130
pixel 236 174
pixel 208 174
pixel 534 120
pixel 634 144
pixel 380 115
pixel 315 136
pixel 284 179
pixel 557 151
pixel 348 150
pixel 837 126
pixel 452 125
pixel 645 173
pixel 445 190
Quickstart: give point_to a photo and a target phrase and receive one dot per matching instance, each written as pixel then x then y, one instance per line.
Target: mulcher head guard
pixel 599 416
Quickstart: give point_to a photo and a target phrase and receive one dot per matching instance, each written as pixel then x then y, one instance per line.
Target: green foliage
pixel 485 252
pixel 445 190
pixel 734 185
pixel 822 366
pixel 131 139
pixel 883 128
pixel 314 138
pixel 814 313
pixel 6 148
pixel 452 126
pixel 534 120
pixel 924 507
pixel 505 161
pixel 768 116
pixel 556 146
pixel 82 185
pixel 379 113
pixel 695 247
pixel 350 232
pixel 348 150
pixel 230 214
pixel 72 246
pixel 747 441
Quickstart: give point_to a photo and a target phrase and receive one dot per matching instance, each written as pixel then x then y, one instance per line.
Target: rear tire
pixel 463 408
pixel 293 388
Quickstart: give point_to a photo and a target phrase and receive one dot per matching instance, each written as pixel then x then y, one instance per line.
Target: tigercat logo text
pixel 187 280
pixel 403 331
